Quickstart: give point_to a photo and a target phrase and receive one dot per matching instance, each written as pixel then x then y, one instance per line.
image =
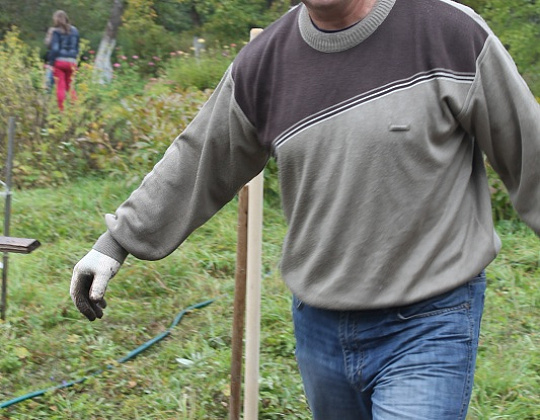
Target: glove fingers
pixel 89 283
pixel 80 290
pixel 98 307
pixel 99 285
pixel 102 304
pixel 97 290
pixel 85 307
pixel 98 311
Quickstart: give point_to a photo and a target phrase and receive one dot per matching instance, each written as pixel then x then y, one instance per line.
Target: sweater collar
pixel 331 42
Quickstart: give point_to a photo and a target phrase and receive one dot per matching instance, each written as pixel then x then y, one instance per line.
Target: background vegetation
pixel 72 167
pixel 45 341
pixel 150 27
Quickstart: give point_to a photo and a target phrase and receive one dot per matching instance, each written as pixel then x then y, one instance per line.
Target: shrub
pixel 203 72
pixel 22 91
pixel 140 35
pixel 50 146
pixel 146 125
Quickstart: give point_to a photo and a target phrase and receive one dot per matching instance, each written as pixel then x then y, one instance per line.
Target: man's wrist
pixel 107 245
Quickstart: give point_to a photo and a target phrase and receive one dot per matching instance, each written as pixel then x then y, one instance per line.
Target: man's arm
pixel 200 172
pixel 504 118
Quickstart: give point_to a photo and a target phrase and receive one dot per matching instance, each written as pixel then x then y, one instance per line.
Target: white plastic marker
pixel 253 290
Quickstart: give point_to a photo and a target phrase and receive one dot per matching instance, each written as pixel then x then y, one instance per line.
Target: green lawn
pixel 45 341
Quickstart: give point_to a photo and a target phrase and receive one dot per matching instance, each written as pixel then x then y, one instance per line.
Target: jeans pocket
pixel 406 314
pixel 456 300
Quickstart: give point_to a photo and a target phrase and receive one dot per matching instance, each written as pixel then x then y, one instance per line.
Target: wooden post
pixel 247 297
pixel 253 298
pixel 253 291
pixel 7 213
pixel 239 308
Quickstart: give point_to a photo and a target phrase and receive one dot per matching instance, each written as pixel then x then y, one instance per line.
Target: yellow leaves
pixel 83 88
pixel 226 390
pixel 21 352
pixel 138 12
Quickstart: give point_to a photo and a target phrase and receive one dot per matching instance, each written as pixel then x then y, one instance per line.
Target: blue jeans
pixel 410 363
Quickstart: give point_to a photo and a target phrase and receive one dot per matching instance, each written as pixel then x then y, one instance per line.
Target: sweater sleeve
pixel 504 118
pixel 200 172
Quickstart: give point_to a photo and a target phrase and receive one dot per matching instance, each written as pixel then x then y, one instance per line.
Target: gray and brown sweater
pixel 378 132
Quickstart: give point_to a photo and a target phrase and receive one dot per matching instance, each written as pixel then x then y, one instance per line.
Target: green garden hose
pixel 129 356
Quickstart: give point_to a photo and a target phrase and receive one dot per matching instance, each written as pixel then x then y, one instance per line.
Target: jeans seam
pixel 466 393
pixel 358 371
pixel 351 368
pixel 342 341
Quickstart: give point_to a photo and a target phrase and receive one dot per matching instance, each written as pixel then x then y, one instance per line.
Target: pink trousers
pixel 63 75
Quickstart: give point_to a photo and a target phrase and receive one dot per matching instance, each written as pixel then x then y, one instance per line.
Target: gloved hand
pixel 89 282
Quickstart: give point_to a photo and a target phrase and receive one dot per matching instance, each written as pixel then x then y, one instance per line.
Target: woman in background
pixel 64 49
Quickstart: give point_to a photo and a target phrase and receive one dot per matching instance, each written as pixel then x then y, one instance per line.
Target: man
pixel 377 112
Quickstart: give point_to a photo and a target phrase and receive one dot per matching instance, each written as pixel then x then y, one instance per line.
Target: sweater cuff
pixel 107 245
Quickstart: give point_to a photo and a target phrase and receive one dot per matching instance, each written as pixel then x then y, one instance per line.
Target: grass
pixel 45 341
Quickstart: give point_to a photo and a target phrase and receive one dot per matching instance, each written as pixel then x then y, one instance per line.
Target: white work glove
pixel 89 282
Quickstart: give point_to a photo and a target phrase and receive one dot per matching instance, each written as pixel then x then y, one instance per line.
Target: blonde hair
pixel 61 20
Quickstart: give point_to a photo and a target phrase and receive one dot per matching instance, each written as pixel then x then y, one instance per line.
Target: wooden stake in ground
pixel 253 298
pixel 253 291
pixel 247 297
pixel 239 309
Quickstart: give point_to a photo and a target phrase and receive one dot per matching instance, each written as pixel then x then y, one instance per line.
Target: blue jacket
pixel 64 45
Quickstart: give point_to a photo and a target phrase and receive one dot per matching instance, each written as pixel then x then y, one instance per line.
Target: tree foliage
pixel 155 27
pixel 33 17
pixel 233 17
pixel 141 34
pixel 517 23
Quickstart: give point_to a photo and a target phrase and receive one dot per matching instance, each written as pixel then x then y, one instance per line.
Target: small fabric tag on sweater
pixel 399 127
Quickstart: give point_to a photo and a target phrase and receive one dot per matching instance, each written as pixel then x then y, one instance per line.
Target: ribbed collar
pixel 343 40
